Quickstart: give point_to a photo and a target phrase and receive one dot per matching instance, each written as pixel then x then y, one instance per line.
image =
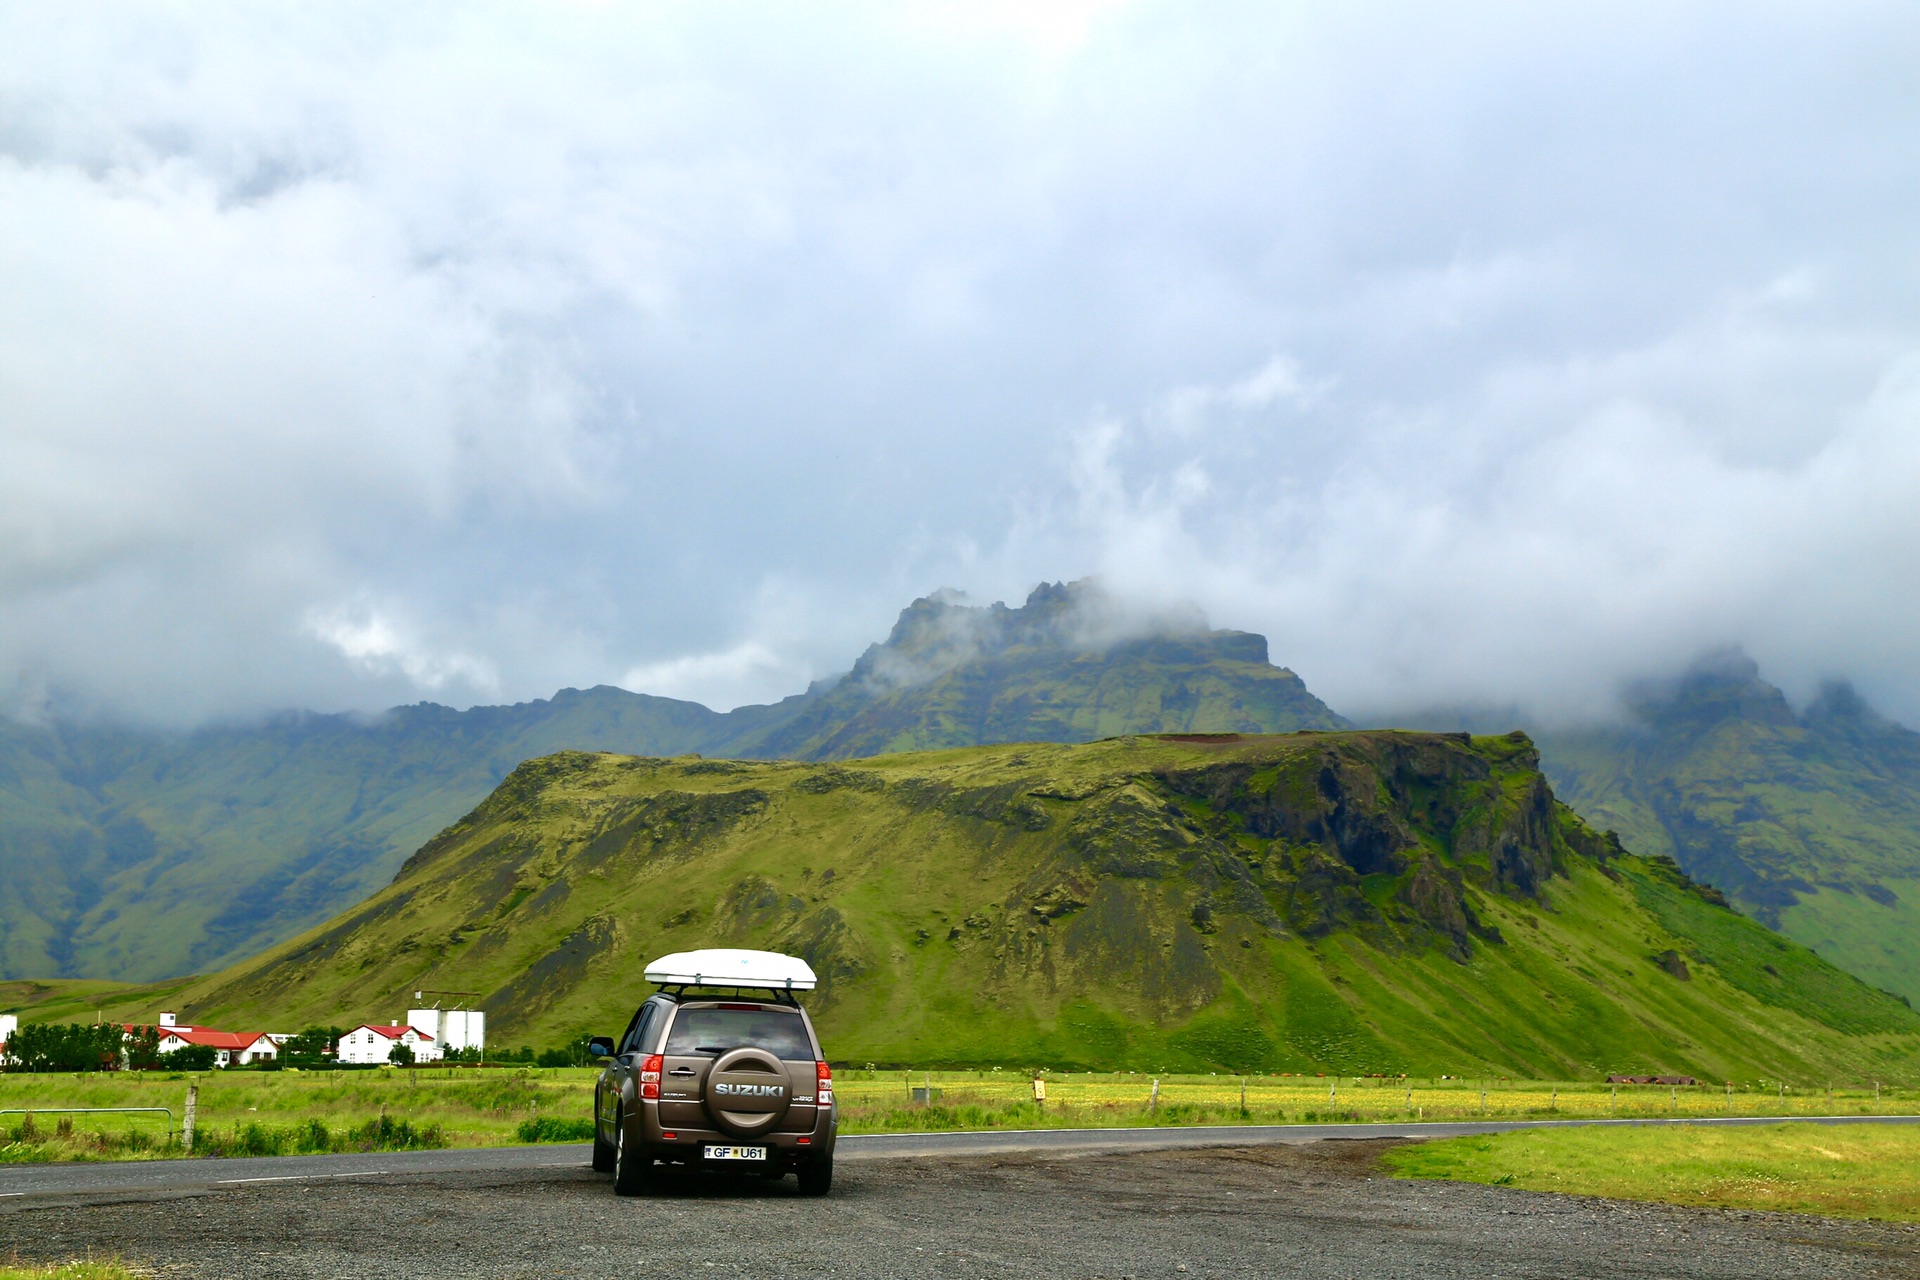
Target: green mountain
pixel 1809 821
pixel 138 855
pixel 1352 902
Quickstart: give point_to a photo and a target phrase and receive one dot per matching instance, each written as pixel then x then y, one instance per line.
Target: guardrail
pixel 75 1111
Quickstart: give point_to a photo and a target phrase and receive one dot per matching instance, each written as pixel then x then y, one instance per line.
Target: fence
pixel 76 1111
pixel 884 1097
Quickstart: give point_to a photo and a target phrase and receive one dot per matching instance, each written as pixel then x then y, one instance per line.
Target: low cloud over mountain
pixel 1501 355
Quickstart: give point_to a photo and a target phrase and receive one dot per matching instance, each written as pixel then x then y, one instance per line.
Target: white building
pixel 368 1043
pixel 9 1023
pixel 230 1048
pixel 451 1028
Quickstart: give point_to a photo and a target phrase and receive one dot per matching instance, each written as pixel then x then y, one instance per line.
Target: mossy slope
pixel 1354 902
pixel 1810 820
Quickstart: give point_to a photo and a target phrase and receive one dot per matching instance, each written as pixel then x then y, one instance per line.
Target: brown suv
pixel 716 1080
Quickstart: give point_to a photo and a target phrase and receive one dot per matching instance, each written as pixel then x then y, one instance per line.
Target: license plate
pixel 712 1152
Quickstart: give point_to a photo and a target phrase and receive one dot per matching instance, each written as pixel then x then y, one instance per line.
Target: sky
pixel 353 355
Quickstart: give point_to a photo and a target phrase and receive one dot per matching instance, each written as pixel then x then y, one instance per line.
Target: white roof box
pixel 728 967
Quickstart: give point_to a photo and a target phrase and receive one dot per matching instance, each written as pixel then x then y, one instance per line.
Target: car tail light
pixel 650 1075
pixel 823 1090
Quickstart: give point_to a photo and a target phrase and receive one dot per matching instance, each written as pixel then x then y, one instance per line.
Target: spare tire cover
pixel 747 1092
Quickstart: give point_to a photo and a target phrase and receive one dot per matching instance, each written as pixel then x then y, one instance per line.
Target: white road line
pixel 294 1177
pixel 5 1194
pixel 285 1177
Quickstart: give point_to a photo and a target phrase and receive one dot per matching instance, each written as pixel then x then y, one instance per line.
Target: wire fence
pixel 891 1099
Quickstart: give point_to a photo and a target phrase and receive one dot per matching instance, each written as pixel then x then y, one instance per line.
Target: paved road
pixel 1302 1210
pixel 39 1181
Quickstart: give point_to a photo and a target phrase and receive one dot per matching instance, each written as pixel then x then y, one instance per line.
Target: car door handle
pixel 682 1071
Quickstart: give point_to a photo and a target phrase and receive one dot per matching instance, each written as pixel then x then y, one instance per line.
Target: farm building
pixel 370 1043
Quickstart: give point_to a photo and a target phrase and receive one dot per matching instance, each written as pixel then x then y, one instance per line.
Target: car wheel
pixel 632 1166
pixel 603 1151
pixel 816 1177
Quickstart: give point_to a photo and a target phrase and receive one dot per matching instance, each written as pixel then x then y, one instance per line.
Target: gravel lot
pixel 1315 1210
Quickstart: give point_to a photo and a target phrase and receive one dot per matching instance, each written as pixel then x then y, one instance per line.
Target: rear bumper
pixel 785 1149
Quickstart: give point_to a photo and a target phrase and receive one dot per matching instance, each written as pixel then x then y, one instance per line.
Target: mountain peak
pixel 944 630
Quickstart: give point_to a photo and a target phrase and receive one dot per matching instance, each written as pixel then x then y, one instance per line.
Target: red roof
pixel 393 1031
pixel 235 1041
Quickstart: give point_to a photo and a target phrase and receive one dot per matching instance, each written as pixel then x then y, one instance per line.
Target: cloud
pixel 359 355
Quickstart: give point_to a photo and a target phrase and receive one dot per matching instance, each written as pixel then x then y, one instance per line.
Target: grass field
pixel 66 1271
pixel 1841 1171
pixel 275 1113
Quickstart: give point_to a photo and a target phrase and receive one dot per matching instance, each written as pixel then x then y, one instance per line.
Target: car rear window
pixel 778 1031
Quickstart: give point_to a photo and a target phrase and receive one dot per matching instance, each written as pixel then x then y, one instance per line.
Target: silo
pixel 425 1021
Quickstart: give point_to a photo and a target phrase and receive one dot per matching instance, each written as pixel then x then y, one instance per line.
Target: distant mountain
pixel 1339 902
pixel 139 855
pixel 1809 821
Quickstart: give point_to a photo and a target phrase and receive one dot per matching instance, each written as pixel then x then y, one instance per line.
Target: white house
pixel 230 1048
pixel 370 1043
pixel 9 1023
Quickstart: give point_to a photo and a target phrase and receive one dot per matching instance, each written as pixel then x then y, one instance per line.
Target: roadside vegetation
pixel 1837 1171
pixel 66 1271
pixel 300 1112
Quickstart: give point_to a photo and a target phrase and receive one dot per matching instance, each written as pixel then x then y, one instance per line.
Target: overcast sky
pixel 1490 353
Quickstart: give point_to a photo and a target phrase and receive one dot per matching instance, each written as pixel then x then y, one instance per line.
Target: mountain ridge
pixel 142 855
pixel 1356 901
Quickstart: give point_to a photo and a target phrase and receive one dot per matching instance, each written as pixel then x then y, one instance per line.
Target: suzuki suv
pixel 719 1069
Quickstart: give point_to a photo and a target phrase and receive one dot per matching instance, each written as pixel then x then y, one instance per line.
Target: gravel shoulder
pixel 1320 1209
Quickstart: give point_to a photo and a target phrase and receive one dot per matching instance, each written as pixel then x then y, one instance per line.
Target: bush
pixel 381 1134
pixel 556 1129
pixel 192 1057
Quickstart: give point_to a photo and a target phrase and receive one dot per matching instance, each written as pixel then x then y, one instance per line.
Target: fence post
pixel 186 1125
pixel 1673 1097
pixel 1553 1103
pixel 1409 1095
pixel 1613 1098
pixel 1243 1097
pixel 1332 1088
pixel 1153 1099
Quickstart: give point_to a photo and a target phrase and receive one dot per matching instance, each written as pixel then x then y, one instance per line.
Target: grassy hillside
pixel 138 855
pixel 1351 902
pixel 1809 821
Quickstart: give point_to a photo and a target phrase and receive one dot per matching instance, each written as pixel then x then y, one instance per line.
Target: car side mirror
pixel 600 1047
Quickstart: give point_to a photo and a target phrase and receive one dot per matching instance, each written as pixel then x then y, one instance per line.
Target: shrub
pixel 555 1129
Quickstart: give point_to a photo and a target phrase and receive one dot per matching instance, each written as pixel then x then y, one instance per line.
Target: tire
pixel 632 1167
pixel 816 1177
pixel 603 1151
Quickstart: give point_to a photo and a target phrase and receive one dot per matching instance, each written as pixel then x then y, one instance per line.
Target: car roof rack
pixel 706 991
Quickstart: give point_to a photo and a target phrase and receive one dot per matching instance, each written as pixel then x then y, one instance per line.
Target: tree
pixel 312 1047
pixel 192 1057
pixel 401 1055
pixel 143 1048
pixel 73 1046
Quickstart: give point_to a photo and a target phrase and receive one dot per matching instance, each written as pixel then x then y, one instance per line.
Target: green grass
pixel 67 1271
pixel 300 1112
pixel 1840 1171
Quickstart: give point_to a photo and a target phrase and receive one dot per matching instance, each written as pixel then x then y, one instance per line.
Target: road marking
pixel 285 1177
pixel 5 1194
pixel 295 1177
